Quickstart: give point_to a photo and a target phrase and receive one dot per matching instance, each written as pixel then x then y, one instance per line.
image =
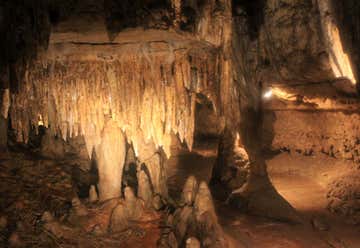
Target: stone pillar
pixel 111 157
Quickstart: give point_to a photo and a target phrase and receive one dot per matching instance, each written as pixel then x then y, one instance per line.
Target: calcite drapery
pixel 148 88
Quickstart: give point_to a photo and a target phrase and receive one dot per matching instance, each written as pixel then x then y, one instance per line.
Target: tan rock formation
pixel 111 157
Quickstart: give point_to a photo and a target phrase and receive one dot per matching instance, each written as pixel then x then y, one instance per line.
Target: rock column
pixel 111 156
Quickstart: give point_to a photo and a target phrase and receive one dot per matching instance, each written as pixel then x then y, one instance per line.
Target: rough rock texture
pixel 320 122
pixel 334 133
pixel 129 211
pixel 195 221
pixel 301 40
pixel 146 81
pixel 344 197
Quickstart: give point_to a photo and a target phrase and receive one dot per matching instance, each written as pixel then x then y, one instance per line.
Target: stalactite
pixel 147 94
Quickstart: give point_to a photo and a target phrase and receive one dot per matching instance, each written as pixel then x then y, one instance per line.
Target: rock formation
pixel 195 217
pixel 123 74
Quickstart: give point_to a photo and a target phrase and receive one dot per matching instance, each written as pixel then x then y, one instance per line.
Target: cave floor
pixel 304 193
pixel 30 185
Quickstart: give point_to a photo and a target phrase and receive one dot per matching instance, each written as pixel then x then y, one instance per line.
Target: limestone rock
pixel 157 202
pixel 93 197
pixel 111 157
pixel 162 94
pixel 203 201
pixel 189 190
pixel 144 189
pixel 119 219
pixel 134 206
pixel 151 160
pixel 52 147
pixel 343 196
pixel 78 207
pixel 192 242
pixel 198 218
pixel 182 219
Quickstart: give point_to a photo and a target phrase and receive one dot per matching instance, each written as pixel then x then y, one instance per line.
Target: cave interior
pixel 180 123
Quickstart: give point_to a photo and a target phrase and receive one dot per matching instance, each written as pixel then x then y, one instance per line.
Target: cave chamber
pixel 179 123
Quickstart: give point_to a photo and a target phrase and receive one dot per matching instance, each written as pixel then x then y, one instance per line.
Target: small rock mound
pixel 194 223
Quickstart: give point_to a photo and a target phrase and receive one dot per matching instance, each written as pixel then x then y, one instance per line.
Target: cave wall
pixel 77 79
pixel 70 62
pixel 336 134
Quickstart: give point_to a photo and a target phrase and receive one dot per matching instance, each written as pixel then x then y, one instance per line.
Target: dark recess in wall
pixel 254 11
pixel 132 13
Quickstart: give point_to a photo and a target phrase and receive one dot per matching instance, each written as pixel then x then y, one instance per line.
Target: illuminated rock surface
pixel 151 123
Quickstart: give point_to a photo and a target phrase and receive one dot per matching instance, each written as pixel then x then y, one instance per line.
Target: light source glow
pixel 268 94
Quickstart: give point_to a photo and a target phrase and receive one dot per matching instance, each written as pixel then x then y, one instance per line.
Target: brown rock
pixel 192 243
pixel 157 202
pixel 189 191
pixel 119 219
pixel 78 207
pixel 144 189
pixel 320 224
pixel 15 240
pixel 3 223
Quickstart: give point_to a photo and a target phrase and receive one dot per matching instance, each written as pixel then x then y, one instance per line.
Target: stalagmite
pixel 203 201
pixel 150 157
pixel 111 157
pixel 93 197
pixel 190 190
pixel 134 206
pixel 144 190
pixel 119 220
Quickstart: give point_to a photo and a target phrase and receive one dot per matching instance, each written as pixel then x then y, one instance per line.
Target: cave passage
pixel 180 123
